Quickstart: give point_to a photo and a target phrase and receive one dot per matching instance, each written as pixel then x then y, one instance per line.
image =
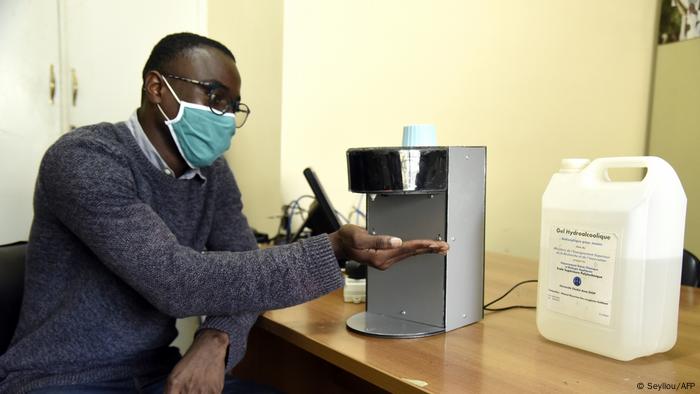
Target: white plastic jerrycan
pixel 610 257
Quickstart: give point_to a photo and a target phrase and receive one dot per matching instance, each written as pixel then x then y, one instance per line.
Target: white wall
pixel 675 124
pixel 534 81
pixel 253 31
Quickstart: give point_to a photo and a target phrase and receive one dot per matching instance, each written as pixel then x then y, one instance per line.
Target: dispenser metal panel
pixel 412 289
pixel 465 234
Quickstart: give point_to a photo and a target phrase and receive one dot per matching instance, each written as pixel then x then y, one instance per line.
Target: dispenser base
pixel 368 323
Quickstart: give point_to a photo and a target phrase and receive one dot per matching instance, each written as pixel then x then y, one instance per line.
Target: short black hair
pixel 174 45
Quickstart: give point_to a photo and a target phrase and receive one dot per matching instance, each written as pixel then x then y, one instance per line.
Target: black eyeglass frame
pixel 235 107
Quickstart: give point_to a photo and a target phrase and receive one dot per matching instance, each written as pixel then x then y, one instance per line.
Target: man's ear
pixel 152 87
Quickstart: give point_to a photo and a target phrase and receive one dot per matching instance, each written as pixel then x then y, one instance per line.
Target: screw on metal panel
pixel 403 312
pixel 439 237
pixel 466 157
pixel 432 196
pixel 373 231
pixel 372 196
pixel 464 315
pixel 453 238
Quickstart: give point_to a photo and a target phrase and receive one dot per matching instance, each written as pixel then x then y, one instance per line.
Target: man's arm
pixel 230 232
pixel 92 192
pixel 220 342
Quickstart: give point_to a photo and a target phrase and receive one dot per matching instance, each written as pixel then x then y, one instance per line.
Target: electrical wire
pixel 292 209
pixel 358 214
pixel 350 216
pixel 300 211
pixel 357 211
pixel 486 307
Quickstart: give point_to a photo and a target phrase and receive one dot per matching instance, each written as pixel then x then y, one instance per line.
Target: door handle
pixel 52 84
pixel 74 84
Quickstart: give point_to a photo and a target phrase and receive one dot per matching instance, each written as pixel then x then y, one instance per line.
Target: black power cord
pixel 486 307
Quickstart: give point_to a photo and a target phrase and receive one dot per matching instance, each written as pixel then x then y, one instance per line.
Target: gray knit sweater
pixel 118 250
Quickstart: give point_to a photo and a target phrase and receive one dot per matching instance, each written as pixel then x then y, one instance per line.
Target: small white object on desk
pixel 355 290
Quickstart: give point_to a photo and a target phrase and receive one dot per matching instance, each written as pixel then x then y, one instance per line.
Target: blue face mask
pixel 201 136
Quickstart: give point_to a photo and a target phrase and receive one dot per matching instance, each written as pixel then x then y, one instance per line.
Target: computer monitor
pixel 322 217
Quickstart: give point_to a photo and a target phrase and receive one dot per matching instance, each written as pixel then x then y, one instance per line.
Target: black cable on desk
pixel 486 307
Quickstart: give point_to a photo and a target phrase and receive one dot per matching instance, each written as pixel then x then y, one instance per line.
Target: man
pixel 138 223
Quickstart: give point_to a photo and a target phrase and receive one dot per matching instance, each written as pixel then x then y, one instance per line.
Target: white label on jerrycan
pixel 581 272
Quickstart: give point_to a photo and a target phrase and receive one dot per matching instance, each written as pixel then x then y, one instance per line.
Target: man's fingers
pixel 366 256
pixel 388 258
pixel 367 241
pixel 381 251
pixel 408 248
pixel 383 259
pixel 359 238
pixel 400 256
pixel 437 246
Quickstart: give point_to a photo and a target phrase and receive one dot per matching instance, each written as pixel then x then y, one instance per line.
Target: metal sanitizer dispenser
pixel 423 193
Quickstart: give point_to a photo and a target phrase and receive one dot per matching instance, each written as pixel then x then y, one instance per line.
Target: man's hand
pixel 202 368
pixel 379 251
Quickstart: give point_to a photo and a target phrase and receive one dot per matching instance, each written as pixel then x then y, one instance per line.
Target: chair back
pixel 11 287
pixel 690 274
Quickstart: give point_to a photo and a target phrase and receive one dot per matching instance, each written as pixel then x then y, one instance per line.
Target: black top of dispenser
pixel 397 169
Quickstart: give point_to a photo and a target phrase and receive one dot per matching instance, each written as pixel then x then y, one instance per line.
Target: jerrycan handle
pixel 656 167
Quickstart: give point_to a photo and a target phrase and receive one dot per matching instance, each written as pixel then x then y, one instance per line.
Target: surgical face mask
pixel 201 136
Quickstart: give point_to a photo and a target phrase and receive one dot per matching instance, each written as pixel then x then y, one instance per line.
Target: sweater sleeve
pixel 91 190
pixel 238 328
pixel 230 232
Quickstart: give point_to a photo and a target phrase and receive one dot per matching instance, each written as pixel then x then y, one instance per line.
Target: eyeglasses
pixel 218 101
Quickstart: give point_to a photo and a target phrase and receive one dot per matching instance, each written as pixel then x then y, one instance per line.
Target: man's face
pixel 203 64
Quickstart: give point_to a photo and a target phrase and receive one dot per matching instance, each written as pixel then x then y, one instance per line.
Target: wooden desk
pixel 308 349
